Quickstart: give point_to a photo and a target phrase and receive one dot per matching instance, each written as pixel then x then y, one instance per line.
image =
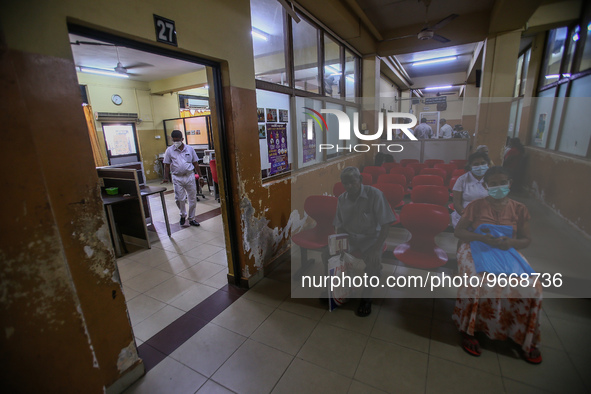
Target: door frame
pixel 222 156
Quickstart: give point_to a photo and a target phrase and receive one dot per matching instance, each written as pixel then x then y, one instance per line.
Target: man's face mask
pixel 177 143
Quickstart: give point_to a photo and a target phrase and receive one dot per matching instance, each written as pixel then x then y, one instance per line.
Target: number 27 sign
pixel 165 30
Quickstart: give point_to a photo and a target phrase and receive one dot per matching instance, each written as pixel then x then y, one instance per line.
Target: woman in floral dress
pixel 500 312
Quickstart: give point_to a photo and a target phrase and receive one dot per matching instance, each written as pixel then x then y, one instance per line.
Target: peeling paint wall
pixel 61 304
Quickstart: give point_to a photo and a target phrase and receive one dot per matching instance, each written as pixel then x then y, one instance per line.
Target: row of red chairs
pixel 430 163
pixel 446 171
pixel 423 220
pixel 428 176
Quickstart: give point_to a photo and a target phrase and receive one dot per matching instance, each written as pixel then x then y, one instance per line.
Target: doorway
pixel 193 259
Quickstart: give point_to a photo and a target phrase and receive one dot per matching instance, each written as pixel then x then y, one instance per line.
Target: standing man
pixel 364 214
pixel 423 131
pixel 445 130
pixel 181 160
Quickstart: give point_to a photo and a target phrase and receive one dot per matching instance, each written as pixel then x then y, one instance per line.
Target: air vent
pixel 116 117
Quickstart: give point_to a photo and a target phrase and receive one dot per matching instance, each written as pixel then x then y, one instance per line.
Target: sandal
pixel 471 345
pixel 534 356
pixel 364 308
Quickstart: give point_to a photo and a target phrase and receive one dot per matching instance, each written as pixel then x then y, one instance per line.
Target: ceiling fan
pixel 428 32
pixel 119 68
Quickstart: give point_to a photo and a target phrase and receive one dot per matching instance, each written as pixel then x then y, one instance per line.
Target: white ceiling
pixel 142 66
pixel 387 15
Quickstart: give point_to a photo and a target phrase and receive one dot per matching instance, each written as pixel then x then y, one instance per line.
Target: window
pixel 333 71
pixel 561 117
pixel 268 41
pixel 586 57
pixel 299 67
pixel 350 76
pixel 305 56
pixel 554 52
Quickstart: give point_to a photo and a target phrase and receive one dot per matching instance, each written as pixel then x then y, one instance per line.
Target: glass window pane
pixel 525 67
pixel 274 132
pixel 586 58
pixel 332 137
pixel 308 148
pixel 332 67
pixel 350 75
pixel 518 76
pixel 351 113
pixel 173 124
pixel 555 124
pixel 542 117
pixel 268 41
pixel 554 50
pixel 305 56
pixel 197 131
pixel 512 116
pixel 575 130
pixel 120 139
pixel 572 43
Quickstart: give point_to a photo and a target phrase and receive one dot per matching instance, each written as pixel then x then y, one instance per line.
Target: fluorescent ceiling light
pixel 566 75
pixel 552 76
pixel 576 37
pixel 439 87
pixel 331 68
pixel 102 72
pixel 350 78
pixel 259 34
pixel 438 60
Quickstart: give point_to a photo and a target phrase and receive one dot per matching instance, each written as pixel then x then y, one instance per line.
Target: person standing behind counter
pixel 181 160
pixel 445 130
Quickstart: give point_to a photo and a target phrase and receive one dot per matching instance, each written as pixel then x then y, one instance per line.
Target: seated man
pixel 364 214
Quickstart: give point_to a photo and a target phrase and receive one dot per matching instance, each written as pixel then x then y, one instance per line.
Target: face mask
pixel 177 143
pixel 479 170
pixel 498 192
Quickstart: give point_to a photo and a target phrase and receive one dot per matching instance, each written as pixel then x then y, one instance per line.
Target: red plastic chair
pixel 366 179
pixel 338 189
pixel 395 179
pixel 214 178
pixel 394 195
pixel 374 171
pixel 323 210
pixel 458 172
pixel 432 162
pixel 448 168
pixel 405 162
pixel 417 167
pixel 434 171
pixel 429 194
pixel 389 166
pixel 424 221
pixel 460 164
pixel 409 173
pixel 434 180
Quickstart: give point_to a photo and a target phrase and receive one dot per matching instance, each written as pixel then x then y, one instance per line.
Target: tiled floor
pixel 265 341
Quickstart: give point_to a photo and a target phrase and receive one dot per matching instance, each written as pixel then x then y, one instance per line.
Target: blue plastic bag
pixel 494 260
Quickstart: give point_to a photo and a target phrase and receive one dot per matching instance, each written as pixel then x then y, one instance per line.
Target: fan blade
pixel 139 65
pixel 439 38
pixel 444 21
pixel 400 38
